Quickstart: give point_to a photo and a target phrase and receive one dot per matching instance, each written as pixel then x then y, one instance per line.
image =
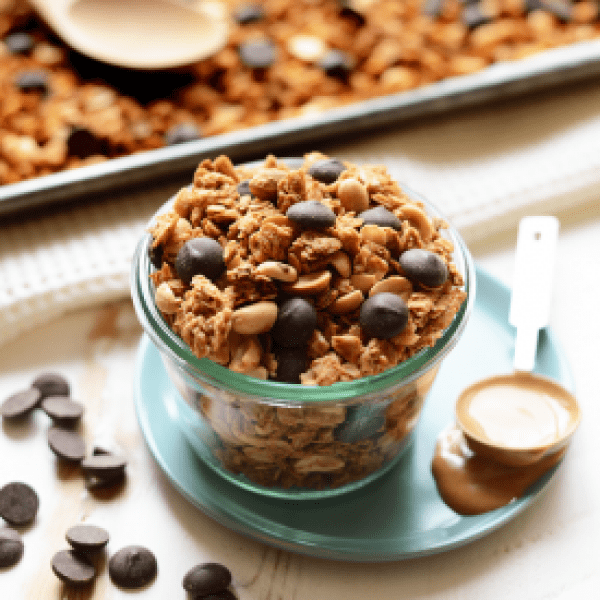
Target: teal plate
pixel 398 516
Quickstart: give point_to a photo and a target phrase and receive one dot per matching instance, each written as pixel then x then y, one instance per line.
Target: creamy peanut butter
pixel 472 484
pixel 510 430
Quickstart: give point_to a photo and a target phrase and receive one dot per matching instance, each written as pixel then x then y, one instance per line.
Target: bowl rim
pixel 204 370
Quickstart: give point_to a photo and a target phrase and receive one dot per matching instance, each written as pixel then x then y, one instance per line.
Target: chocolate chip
pixel 326 170
pixel 207 578
pixel 424 267
pixel 105 467
pixel 562 9
pixel 381 217
pixel 200 256
pixel 248 13
pixel 72 568
pixel 63 410
pixel 87 538
pixel 83 143
pixel 311 214
pixel 432 8
pixel 473 15
pixel 383 316
pixel 243 188
pixel 258 54
pixel 11 547
pixel 362 421
pixel 52 384
pixel 19 42
pixel 66 443
pixel 33 81
pixel 18 503
pixel 20 404
pixel 291 363
pixel 337 63
pixel 182 132
pixel 132 567
pixel 296 321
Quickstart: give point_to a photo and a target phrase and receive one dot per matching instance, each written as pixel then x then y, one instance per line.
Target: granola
pixel 61 110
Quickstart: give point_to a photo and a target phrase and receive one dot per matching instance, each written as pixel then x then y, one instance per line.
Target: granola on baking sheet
pixel 61 110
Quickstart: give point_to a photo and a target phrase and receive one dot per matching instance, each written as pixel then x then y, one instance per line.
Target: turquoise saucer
pixel 399 515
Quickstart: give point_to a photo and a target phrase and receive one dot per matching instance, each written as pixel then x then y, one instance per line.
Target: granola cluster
pixel 284 58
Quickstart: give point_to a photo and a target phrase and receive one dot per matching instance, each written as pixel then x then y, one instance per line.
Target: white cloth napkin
pixel 484 168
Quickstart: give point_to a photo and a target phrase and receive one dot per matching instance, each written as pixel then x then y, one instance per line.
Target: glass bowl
pixel 289 440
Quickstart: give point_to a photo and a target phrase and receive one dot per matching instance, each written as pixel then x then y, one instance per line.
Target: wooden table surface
pixel 549 552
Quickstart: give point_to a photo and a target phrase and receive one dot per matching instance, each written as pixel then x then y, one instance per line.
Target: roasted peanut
pixel 353 195
pixel 254 318
pixel 277 270
pixel 394 284
pixel 310 284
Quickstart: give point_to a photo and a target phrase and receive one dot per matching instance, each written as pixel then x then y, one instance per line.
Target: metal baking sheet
pixel 501 80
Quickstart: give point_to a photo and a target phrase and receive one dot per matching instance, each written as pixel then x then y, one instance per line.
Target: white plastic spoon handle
pixel 532 285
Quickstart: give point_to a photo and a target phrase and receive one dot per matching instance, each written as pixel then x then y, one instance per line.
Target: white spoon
pixel 518 418
pixel 139 34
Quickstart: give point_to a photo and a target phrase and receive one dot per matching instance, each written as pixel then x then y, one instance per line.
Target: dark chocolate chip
pixel 52 384
pixel 200 256
pixel 243 188
pixel 207 578
pixel 383 316
pixel 83 143
pixel 11 547
pixel 66 443
pixel 561 9
pixel 291 363
pixel 337 63
pixel 19 42
pixel 381 217
pixel 258 54
pixel 73 568
pixel 33 81
pixel 424 267
pixel 20 404
pixel 132 567
pixel 62 410
pixel 107 467
pixel 87 538
pixel 296 321
pixel 311 214
pixel 182 132
pixel 362 421
pixel 326 170
pixel 248 13
pixel 19 503
pixel 432 8
pixel 473 15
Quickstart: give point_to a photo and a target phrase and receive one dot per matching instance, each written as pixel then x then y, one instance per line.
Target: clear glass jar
pixel 291 440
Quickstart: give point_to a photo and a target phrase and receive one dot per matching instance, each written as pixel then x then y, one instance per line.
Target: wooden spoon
pixel 139 34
